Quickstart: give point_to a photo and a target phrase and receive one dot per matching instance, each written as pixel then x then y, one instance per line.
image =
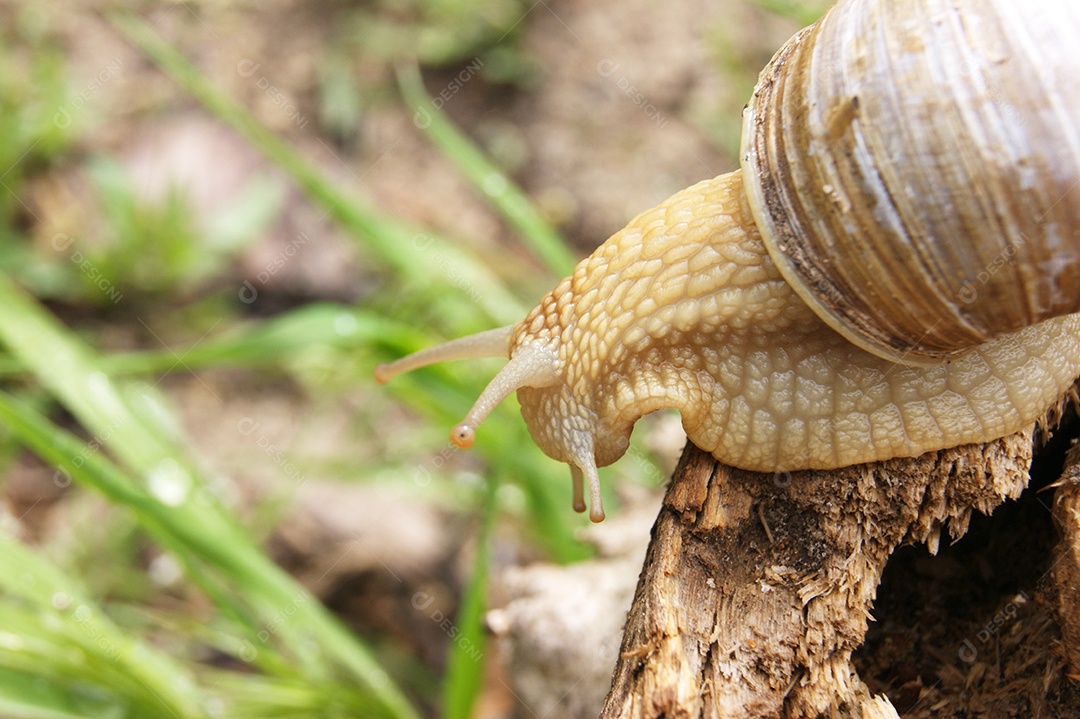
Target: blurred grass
pixel 82 662
pixel 53 617
pixel 803 12
pixel 77 653
pixel 492 184
pixel 465 664
pixel 176 505
pixel 437 32
pixel 391 242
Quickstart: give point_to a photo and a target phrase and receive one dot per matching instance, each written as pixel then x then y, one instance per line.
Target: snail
pixel 894 268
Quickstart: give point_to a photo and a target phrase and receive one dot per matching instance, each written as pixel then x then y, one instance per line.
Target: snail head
pixel 537 372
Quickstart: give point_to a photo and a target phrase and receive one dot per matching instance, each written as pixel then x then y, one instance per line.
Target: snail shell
pixel 894 270
pixel 936 141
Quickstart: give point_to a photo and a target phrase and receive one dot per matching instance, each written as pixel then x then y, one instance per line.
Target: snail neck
pixel 641 322
pixel 685 309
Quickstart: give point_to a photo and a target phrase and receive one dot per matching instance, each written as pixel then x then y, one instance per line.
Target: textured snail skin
pixel 685 309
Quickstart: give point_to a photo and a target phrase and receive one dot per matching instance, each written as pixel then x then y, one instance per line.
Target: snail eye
pixel 532 365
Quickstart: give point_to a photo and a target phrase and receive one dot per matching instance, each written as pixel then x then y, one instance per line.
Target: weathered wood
pixel 757 588
pixel 1065 571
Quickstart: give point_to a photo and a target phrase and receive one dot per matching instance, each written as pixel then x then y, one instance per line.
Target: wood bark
pixel 757 588
pixel 1065 571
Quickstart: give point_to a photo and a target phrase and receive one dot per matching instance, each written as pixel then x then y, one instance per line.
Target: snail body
pixel 860 289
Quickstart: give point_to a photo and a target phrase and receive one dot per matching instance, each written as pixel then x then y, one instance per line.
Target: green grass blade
pixel 505 196
pixel 123 662
pixel 799 10
pixel 67 453
pixel 417 256
pixel 24 695
pixel 277 340
pixel 41 345
pixel 286 336
pixel 176 497
pixel 465 664
pixel 18 708
pixel 270 342
pixel 386 238
pixel 70 372
pixel 189 527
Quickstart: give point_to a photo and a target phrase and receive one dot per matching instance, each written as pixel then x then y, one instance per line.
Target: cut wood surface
pixel 757 588
pixel 1065 571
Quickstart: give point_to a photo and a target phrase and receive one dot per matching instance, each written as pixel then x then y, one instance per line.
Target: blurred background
pixel 216 218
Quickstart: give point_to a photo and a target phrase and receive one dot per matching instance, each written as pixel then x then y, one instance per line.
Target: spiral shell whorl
pixel 865 152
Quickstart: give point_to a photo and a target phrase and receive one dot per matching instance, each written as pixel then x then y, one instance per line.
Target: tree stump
pixel 1065 572
pixel 757 588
